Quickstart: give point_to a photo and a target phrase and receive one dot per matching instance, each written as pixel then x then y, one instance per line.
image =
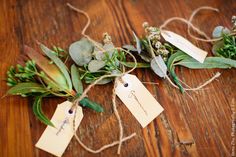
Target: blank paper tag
pixel 138 99
pixel 184 45
pixel 55 140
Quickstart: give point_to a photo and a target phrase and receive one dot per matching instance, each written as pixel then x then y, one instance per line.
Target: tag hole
pixel 70 111
pixel 126 85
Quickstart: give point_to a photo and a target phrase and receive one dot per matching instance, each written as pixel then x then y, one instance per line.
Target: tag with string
pixel 138 99
pixel 184 45
pixel 55 140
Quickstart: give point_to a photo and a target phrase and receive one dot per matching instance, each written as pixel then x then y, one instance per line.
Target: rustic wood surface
pixel 205 120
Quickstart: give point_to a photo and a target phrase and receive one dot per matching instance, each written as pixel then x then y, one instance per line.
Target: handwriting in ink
pixel 132 94
pixel 66 121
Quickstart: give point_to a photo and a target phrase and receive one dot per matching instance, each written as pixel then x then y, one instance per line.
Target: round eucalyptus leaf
pixel 98 54
pixel 95 65
pixel 96 47
pixel 81 51
pixel 109 49
pixel 219 30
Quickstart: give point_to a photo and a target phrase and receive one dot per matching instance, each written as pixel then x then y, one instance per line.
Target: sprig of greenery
pixel 97 59
pixel 21 74
pixel 46 76
pixel 228 50
pixel 225 49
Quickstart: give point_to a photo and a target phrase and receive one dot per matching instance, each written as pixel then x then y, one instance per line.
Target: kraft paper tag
pixel 55 140
pixel 184 45
pixel 138 99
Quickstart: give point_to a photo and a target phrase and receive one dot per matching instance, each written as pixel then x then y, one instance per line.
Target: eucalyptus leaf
pixel 219 30
pixel 77 83
pixel 37 109
pixel 26 88
pixel 110 48
pixel 158 66
pixel 138 43
pixel 59 64
pixel 99 55
pixel 81 51
pixel 209 63
pixel 97 46
pixel 96 65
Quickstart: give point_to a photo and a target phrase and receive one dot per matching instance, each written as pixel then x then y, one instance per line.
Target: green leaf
pixel 109 48
pixel 26 88
pixel 227 48
pixel 176 79
pixel 51 70
pixel 76 79
pixel 59 64
pixel 104 81
pixel 219 31
pixel 158 66
pixel 85 102
pixel 37 109
pixel 138 43
pixel 179 55
pixel 132 64
pixel 96 65
pixel 81 51
pixel 209 63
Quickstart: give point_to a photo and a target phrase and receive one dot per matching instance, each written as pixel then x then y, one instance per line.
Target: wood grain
pixel 204 120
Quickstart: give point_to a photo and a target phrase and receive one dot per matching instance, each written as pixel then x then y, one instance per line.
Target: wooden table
pixel 205 120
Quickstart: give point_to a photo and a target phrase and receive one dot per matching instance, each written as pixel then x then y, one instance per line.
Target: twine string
pixel 200 32
pixel 118 76
pixel 76 102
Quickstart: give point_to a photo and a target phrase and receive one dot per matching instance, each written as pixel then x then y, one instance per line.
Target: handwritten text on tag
pixel 55 140
pixel 138 99
pixel 184 45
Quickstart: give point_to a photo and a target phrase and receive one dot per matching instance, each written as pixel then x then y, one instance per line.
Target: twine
pixel 200 32
pixel 173 84
pixel 118 76
pixel 75 103
pixel 190 25
pixel 208 39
